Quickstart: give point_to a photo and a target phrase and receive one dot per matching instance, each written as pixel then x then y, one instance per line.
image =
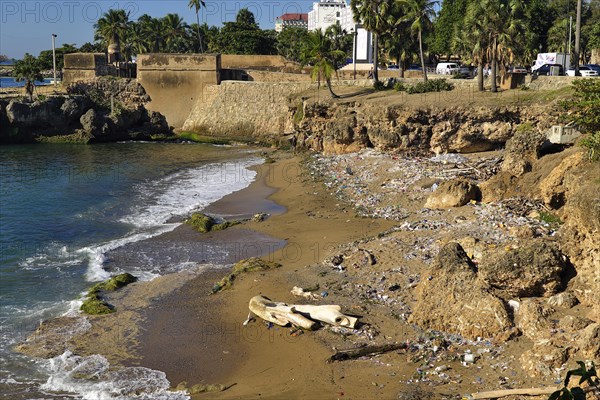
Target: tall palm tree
pixel 153 32
pixel 319 53
pixel 471 39
pixel 112 27
pixel 419 13
pixel 372 14
pixel 197 4
pixel 174 28
pixel 505 26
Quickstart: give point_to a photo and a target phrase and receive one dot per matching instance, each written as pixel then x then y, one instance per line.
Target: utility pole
pixel 54 57
pixel 577 37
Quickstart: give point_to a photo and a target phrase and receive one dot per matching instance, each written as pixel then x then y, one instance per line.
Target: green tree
pixel 447 23
pixel 197 5
pixel 340 40
pixel 28 70
pixel 243 36
pixel 290 42
pixel 472 41
pixel 396 40
pixel 373 16
pixel 419 13
pixel 112 27
pixel 90 48
pixel 173 30
pixel 319 54
pixel 45 58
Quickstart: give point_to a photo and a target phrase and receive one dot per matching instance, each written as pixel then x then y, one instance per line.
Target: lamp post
pixel 577 38
pixel 54 57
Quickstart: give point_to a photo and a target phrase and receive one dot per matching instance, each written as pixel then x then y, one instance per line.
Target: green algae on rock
pixel 94 304
pixel 204 223
pixel 243 266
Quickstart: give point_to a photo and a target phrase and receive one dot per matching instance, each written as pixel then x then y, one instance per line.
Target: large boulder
pixel 453 193
pixel 522 150
pixel 453 299
pixel 531 318
pixel 533 269
pixel 93 123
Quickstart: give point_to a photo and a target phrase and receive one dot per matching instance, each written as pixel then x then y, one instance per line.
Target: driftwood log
pixel 303 316
pixel 494 394
pixel 373 350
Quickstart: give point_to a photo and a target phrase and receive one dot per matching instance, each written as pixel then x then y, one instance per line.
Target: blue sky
pixel 26 26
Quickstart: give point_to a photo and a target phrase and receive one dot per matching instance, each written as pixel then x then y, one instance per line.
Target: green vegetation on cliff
pixel 94 303
pixel 584 111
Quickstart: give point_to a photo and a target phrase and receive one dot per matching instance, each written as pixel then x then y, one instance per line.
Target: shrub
pixel 433 85
pixel 584 110
pixel 399 87
pixel 378 85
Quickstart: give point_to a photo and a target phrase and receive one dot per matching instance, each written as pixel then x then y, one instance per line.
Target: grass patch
pixel 550 218
pixel 94 303
pixel 248 265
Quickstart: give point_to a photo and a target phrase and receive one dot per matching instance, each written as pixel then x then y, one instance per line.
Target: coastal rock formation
pixel 532 269
pixel 455 193
pixel 522 150
pixel 441 130
pixel 458 293
pixel 531 318
pixel 87 115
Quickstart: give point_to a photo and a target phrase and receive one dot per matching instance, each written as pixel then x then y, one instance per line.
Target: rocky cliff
pixel 101 111
pixel 345 127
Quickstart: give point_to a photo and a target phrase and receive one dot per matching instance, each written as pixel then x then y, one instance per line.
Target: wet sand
pixel 199 338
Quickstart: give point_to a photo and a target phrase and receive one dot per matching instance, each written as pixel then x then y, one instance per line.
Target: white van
pixel 448 68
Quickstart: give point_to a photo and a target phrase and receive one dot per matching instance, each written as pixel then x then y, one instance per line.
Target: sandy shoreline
pixel 173 325
pixel 199 339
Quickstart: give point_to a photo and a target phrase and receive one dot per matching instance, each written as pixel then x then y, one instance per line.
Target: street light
pixel 54 36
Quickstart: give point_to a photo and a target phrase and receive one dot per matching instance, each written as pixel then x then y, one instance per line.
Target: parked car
pixel 392 66
pixel 465 71
pixel 545 70
pixel 517 70
pixel 447 68
pixel 583 71
pixel 595 67
pixel 414 67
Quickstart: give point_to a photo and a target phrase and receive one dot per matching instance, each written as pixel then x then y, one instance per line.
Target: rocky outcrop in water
pixel 102 111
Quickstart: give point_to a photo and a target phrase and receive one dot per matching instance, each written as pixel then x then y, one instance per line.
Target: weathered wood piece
pixel 351 354
pixel 303 316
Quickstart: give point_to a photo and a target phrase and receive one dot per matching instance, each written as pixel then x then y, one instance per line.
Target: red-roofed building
pixel 293 20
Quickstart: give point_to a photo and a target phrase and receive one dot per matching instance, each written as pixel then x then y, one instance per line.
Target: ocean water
pixel 66 211
pixel 7 81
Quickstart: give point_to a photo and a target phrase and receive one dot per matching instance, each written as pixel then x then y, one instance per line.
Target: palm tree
pixel 471 39
pixel 197 4
pixel 153 32
pixel 174 28
pixel 373 16
pixel 340 40
pixel 112 27
pixel 28 70
pixel 420 13
pixel 319 53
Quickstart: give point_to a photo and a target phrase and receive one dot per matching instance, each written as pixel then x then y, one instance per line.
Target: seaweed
pixel 243 266
pixel 94 303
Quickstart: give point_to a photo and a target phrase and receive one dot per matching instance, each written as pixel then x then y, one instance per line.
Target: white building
pixel 328 12
pixel 291 20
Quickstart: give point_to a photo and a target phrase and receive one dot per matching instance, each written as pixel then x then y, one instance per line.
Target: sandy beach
pixel 172 323
pixel 199 338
